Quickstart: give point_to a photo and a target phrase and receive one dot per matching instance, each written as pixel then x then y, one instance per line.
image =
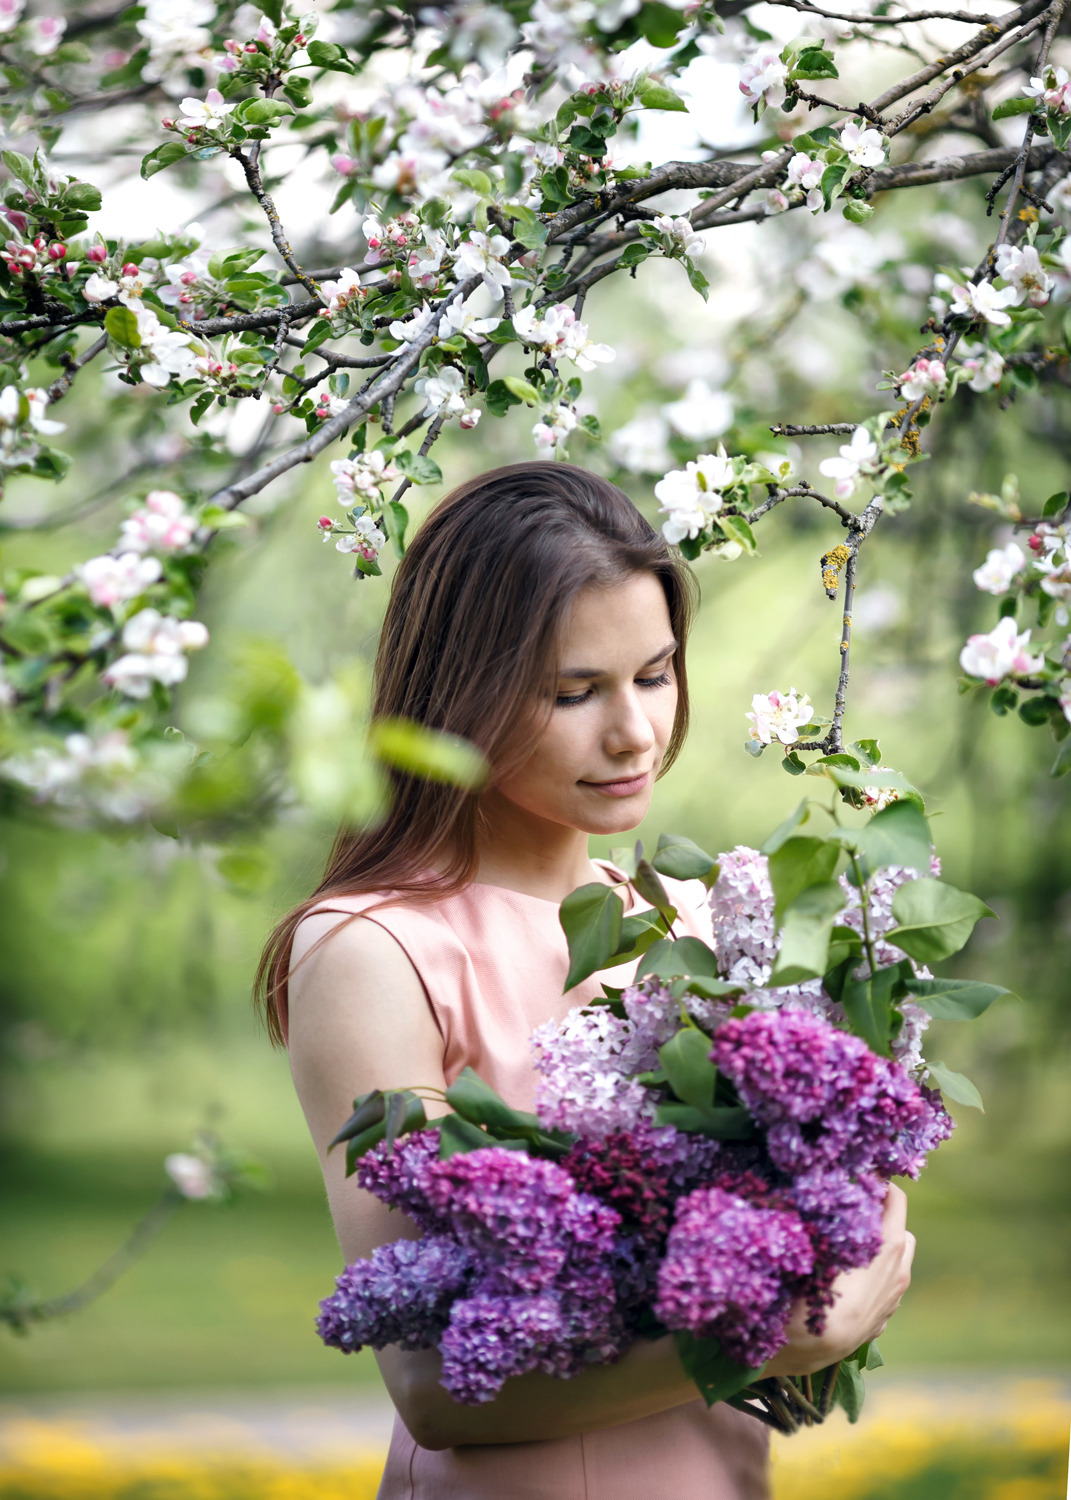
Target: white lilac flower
pixel 982 300
pixel 926 377
pixel 554 428
pixel 865 148
pixel 362 475
pixel 856 458
pixel 10 14
pixel 641 445
pixel 177 33
pixel 46 33
pixel 762 78
pixel 778 716
pixel 99 288
pixel 192 1176
pixel 701 413
pixel 687 241
pixel 1000 653
pixel 209 113
pixel 156 647
pixel 460 318
pixel 113 580
pixel 162 524
pixel 481 255
pixel 342 292
pixel 1021 266
pixel 691 497
pixel 37 400
pixel 365 539
pixel 1000 568
pixel 986 366
pixel 1054 90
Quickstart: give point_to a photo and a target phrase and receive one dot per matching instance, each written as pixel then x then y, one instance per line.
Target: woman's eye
pixel 567 700
pixel 662 680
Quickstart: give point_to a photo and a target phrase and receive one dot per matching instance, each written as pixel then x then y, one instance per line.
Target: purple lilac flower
pixel 491 1338
pixel 655 1013
pixel 825 1099
pixel 520 1218
pixel 731 1272
pixel 398 1176
pixel 584 1063
pixel 641 1172
pixel 401 1295
pixel 843 1219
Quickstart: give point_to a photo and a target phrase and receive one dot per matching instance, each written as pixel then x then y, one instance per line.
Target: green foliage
pixel 935 919
pixel 715 1375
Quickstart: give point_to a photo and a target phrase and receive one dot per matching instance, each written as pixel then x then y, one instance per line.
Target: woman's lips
pixel 627 788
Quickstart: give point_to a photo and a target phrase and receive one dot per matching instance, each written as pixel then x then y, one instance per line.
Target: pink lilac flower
pixel 584 1063
pixel 730 1273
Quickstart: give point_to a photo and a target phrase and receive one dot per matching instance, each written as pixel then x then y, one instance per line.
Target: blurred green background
pixel 124 988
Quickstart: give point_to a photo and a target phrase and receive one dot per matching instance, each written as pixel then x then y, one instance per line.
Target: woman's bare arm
pixel 359 1020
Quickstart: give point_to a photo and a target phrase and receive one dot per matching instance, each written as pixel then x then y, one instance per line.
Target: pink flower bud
pixel 188 278
pixel 19 220
pixel 344 165
pixel 130 269
pixel 250 47
pixel 184 297
pixel 167 123
pixel 325 523
pixel 231 46
pixel 278 408
pixel 14 267
pixel 98 254
pixel 300 39
pixel 1035 543
pixel 57 252
pixel 40 242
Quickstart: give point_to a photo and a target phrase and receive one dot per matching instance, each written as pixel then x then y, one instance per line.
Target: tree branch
pixel 250 165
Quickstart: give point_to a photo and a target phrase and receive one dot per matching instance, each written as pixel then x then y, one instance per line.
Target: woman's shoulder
pixel 693 906
pixel 412 919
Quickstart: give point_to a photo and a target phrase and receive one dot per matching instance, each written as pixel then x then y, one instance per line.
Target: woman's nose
pixel 629 730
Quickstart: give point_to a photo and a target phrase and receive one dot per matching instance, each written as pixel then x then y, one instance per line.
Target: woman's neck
pixel 525 853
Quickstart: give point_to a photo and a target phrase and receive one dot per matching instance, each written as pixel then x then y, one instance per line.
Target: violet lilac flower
pixel 401 1295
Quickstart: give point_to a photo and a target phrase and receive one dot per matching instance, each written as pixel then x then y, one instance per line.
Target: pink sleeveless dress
pixel 493 962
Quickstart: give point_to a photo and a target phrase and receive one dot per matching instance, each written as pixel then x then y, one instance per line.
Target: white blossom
pixel 1056 581
pixel 986 366
pixel 192 1176
pixel 363 474
pixel 926 377
pixel 406 331
pixel 865 148
pixel 856 458
pixel 641 445
pixel 46 33
pixel 762 78
pixel 99 288
pixel 1021 266
pixel 877 798
pixel 686 240
pixel 177 34
pixel 98 774
pixel 1000 653
pixel 162 524
pixel 365 539
pixel 426 264
pixel 1054 90
pixel 342 292
pixel 558 332
pixel 982 300
pixel 691 497
pixel 1065 697
pixel 166 351
pixel 805 173
pixel 445 394
pixel 461 318
pixel 555 427
pixel 1000 568
pixel 113 580
pixel 209 112
pixel 775 202
pixel 37 400
pixel 156 647
pixel 778 716
pixel 415 174
pixel 701 413
pixel 10 14
pixel 481 255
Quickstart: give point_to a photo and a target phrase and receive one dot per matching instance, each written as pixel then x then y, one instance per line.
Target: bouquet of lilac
pixel 711 1144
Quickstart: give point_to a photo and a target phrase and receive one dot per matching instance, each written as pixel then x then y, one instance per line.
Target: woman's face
pixel 594 765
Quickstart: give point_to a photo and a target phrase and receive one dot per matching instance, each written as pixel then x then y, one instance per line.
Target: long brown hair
pixel 469 642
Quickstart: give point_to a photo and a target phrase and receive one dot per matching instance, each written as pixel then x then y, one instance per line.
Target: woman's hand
pixel 865 1300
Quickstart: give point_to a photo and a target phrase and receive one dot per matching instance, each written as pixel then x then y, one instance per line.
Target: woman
pixel 541 617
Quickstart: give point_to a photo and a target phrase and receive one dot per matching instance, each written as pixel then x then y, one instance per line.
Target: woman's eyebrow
pixel 579 672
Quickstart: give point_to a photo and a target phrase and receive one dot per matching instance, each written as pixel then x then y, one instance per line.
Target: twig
pixel 251 167
pixel 826 1401
pixel 60 386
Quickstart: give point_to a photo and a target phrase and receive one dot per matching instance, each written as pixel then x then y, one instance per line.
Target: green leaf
pixel 935 919
pixel 857 211
pixel 714 1374
pixel 18 165
pixel 234 262
pixel 685 1059
pixel 698 281
pixel 472 177
pixel 395 520
pixel 161 157
pixel 262 111
pixel 720 1122
pixel 476 1101
pixel 843 775
pixel 793 764
pixel 680 858
pixel 638 933
pixel 649 886
pixel 81 196
pixel 524 390
pixel 122 326
pixel 955 1086
pixel 672 958
pixel 657 96
pixel 500 398
pixel 431 754
pixel 633 255
pixel 898 835
pixel 785 830
pixel 328 55
pixel 1009 107
pixel 868 1007
pixel 591 918
pixel 457 1136
pixel 815 62
pixel 738 530
pixel 1062 764
pixel 419 467
pixel 368 1109
pixel 850 1389
pixel 796 864
pixel 955 999
pixel 805 933
pixel 318 334
pixel 1055 505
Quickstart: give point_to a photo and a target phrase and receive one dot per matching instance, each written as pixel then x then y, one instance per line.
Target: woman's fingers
pixel 894 1213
